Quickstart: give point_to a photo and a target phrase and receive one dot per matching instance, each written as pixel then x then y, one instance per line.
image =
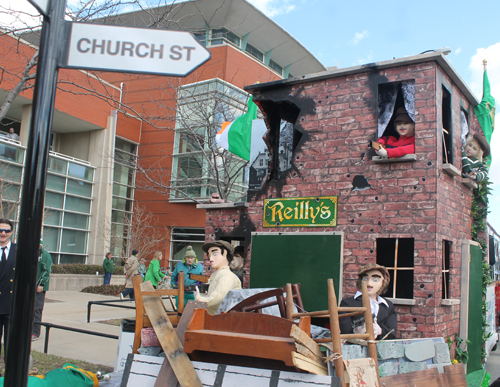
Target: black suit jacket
pixel 386 317
pixel 6 276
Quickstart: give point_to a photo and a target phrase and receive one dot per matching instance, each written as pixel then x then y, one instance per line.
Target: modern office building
pixel 122 141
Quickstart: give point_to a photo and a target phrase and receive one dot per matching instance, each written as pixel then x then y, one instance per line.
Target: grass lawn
pixel 43 363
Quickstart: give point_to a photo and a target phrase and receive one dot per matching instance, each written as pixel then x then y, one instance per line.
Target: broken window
pixel 447 127
pixel 276 156
pixel 445 271
pixel 392 96
pixel 464 126
pixel 396 254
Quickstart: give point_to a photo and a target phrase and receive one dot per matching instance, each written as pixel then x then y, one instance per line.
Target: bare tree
pixel 201 166
pixel 140 230
pixel 208 169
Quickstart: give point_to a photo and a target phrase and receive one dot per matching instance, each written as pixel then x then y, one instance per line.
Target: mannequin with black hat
pixel 220 255
pixel 476 148
pixel 384 314
pixel 405 144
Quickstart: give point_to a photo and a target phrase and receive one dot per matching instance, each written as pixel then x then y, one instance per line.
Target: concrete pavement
pixel 70 309
pixel 493 364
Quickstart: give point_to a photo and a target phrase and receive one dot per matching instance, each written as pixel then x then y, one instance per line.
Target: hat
pixel 189 253
pixel 228 246
pixel 373 266
pixel 135 252
pixel 483 144
pixel 402 116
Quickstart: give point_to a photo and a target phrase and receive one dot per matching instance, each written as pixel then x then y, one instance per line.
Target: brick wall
pixel 419 200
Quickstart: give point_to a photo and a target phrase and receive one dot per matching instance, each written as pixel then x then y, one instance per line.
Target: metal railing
pixel 48 326
pixel 108 303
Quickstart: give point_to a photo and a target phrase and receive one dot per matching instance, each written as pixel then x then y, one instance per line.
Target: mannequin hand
pixel 473 175
pixel 377 331
pixel 381 152
pixel 361 329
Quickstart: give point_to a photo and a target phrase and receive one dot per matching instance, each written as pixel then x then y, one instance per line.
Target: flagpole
pixel 485 63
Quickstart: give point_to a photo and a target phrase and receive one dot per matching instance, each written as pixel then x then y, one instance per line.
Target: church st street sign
pixel 301 212
pixel 134 50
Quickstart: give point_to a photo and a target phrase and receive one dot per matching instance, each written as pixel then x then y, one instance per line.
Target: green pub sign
pixel 301 212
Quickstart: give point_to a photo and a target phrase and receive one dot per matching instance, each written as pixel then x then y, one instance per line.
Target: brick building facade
pixel 416 209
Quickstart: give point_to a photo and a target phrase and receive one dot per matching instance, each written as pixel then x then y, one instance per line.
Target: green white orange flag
pixel 236 136
pixel 485 112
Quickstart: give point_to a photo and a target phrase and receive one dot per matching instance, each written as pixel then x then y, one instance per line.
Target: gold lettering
pixel 325 212
pixel 296 209
pixel 313 217
pixel 277 211
pixel 301 210
pixel 307 209
pixel 288 213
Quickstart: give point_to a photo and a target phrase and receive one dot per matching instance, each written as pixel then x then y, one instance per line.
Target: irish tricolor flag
pixel 236 136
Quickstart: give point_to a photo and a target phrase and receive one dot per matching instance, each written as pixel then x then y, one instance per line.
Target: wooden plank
pixel 308 353
pixel 210 374
pixel 304 339
pixel 424 378
pixel 454 376
pixel 306 364
pixel 169 341
pixel 166 377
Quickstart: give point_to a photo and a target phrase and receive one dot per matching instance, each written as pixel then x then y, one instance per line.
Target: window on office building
pixel 200 167
pixel 123 196
pixel 181 238
pixel 11 173
pixel 68 205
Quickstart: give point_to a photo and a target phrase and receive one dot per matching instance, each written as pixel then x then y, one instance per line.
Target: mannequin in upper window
pixel 476 148
pixel 405 144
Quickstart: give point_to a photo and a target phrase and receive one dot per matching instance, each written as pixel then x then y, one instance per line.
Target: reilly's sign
pixel 301 212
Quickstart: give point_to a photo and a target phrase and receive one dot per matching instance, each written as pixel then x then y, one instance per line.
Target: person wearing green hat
pixel 42 285
pixel 189 265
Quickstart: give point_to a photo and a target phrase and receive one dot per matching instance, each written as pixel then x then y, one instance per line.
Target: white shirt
pixel 6 250
pixel 374 305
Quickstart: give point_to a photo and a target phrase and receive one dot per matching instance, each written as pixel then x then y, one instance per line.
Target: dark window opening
pixel 391 97
pixel 397 255
pixel 445 277
pixel 281 140
pixel 447 127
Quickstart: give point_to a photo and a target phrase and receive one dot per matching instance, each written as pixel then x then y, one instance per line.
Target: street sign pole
pixel 32 201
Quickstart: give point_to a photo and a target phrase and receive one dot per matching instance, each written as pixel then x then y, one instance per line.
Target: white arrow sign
pixel 41 5
pixel 136 50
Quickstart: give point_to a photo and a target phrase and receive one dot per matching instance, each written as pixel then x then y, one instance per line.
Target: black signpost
pixel 57 50
pixel 30 219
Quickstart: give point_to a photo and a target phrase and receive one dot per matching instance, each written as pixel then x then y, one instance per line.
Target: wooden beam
pixel 183 369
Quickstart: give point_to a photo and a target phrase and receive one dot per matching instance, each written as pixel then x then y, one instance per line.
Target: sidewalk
pixel 70 309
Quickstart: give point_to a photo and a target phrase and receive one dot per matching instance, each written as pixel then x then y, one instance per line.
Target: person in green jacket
pixel 42 285
pixel 109 267
pixel 154 274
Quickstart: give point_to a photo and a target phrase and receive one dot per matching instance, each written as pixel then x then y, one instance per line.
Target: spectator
pixel 188 265
pixel 12 135
pixel 42 285
pixel 131 269
pixel 154 274
pixel 109 268
pixel 142 268
pixel 7 256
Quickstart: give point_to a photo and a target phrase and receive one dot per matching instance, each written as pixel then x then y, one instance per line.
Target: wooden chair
pixel 333 314
pixel 244 339
pixel 141 319
pixel 254 303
